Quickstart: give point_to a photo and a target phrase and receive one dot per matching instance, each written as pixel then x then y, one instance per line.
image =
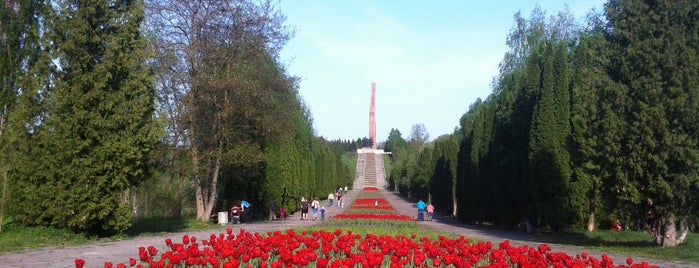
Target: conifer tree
pixel 656 61
pixel 97 131
pixel 19 41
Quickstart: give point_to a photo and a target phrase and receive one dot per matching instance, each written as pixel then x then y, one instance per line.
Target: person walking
pixel 330 199
pixel 430 211
pixel 247 210
pixel 315 206
pixel 304 209
pixel 420 210
pixel 322 213
pixel 272 210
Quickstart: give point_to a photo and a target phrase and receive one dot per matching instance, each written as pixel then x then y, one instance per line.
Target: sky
pixel 430 60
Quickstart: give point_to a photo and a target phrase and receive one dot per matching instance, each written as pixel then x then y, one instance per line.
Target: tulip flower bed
pixel 344 248
pixel 371 208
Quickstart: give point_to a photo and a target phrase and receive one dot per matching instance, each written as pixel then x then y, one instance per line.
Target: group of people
pixel 315 208
pixel 238 210
pixel 245 208
pixel 338 194
pixel 422 208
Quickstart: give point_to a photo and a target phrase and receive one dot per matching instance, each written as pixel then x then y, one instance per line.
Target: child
pixel 322 213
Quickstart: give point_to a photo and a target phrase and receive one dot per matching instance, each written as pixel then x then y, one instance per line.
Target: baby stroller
pixel 235 214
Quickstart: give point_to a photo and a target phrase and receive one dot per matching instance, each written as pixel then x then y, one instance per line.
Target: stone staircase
pixel 370 170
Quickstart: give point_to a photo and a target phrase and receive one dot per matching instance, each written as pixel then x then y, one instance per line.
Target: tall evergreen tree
pixel 549 165
pixel 19 40
pixel 94 139
pixel 656 61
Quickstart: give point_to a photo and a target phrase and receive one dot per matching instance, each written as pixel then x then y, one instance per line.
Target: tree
pixel 549 167
pixel 656 59
pixel 229 82
pixel 418 135
pixel 95 130
pixel 395 142
pixel 18 25
pixel 591 88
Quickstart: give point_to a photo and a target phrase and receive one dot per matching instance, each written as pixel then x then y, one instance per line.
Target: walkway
pixel 96 254
pixel 120 251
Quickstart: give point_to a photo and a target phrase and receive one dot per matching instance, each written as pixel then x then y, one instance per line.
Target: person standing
pixel 315 206
pixel 272 210
pixel 304 209
pixel 322 213
pixel 339 197
pixel 247 209
pixel 430 211
pixel 330 199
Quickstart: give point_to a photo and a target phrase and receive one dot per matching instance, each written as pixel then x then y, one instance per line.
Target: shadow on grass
pixel 143 226
pixel 627 239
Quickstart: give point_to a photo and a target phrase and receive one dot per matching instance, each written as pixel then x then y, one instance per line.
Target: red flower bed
pixel 385 217
pixel 371 203
pixel 370 189
pixel 344 249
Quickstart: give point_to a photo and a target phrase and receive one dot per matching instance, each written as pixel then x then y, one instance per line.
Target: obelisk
pixel 372 117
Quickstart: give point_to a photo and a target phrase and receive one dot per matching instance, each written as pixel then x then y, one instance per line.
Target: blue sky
pixel 430 59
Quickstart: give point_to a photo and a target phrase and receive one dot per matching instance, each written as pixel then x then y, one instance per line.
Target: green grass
pixel 349 159
pixel 379 230
pixel 16 237
pixel 628 243
pixel 157 226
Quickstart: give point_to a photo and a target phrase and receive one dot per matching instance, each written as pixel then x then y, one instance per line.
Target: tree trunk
pixel 455 204
pixel 669 236
pixel 591 222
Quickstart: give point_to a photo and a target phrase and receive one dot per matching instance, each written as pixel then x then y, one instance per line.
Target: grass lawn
pixel 629 243
pixel 15 237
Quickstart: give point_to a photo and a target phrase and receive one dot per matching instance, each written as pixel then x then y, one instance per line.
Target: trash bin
pixel 223 217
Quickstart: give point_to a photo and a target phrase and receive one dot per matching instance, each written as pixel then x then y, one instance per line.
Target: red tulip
pixel 79 263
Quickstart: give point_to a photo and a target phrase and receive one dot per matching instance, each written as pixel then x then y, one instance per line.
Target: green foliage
pixel 395 142
pixel 581 124
pixel 95 129
pixel 658 170
pixel 17 237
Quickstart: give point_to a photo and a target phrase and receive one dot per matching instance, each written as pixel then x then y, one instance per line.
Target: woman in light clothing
pixel 315 205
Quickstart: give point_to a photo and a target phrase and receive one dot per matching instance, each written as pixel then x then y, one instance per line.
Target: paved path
pixel 449 225
pixel 96 254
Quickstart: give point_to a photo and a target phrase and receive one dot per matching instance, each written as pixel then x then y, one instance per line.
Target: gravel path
pixel 96 254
